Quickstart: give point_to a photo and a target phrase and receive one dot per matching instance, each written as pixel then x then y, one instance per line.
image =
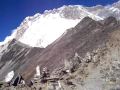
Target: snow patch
pixel 93 16
pixel 115 9
pixel 37 71
pixel 9 76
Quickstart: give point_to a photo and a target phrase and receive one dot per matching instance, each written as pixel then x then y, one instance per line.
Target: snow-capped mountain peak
pixel 46 30
pixel 41 30
pixel 52 24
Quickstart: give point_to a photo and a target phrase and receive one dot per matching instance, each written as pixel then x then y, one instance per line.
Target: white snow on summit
pixel 41 30
pixel 51 25
pixel 8 38
pixel 46 30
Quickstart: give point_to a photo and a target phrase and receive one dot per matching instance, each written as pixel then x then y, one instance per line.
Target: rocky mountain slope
pixel 76 49
pixel 90 51
pixel 14 57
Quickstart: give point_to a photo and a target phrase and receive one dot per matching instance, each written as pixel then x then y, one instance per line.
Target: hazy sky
pixel 12 12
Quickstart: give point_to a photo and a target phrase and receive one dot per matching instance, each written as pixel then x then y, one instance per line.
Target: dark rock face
pixel 15 57
pixel 90 50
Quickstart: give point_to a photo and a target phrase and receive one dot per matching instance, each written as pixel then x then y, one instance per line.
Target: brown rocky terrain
pixel 89 51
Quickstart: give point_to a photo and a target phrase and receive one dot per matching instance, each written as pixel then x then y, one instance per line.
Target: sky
pixel 13 12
